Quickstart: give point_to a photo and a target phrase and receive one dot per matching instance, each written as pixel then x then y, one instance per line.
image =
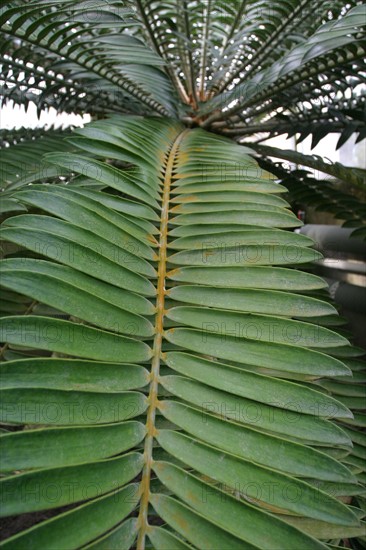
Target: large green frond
pixel 169 357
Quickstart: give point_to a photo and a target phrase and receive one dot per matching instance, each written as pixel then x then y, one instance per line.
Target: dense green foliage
pixel 174 374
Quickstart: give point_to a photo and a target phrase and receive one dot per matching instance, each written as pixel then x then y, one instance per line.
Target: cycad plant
pixel 175 375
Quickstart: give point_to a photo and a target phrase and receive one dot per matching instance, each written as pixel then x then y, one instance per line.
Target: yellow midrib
pixel 155 364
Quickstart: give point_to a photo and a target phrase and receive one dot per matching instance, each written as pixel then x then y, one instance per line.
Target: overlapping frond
pixel 86 43
pixel 22 161
pixel 168 359
pixel 325 195
pixel 256 35
pixel 14 136
pixel 233 65
pixel 24 83
pixel 354 176
pixel 314 63
pixel 316 116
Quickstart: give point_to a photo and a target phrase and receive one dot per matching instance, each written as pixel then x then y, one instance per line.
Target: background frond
pixel 72 33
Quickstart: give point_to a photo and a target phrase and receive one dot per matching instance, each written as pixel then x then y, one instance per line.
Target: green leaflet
pixel 196 201
pixel 243 236
pixel 55 447
pixel 267 355
pixel 161 538
pixel 134 209
pixel 96 517
pixel 43 406
pixel 251 300
pixel 107 175
pixel 277 453
pixel 358 437
pixel 72 374
pixel 120 538
pixel 261 328
pixel 11 205
pixel 109 293
pixel 197 230
pixel 71 338
pixel 274 278
pixel 355 403
pixel 115 141
pixel 86 481
pixel 337 489
pixel 216 184
pixel 354 390
pixel 78 249
pixel 112 150
pixel 345 352
pixel 237 518
pixel 359 419
pixel 75 301
pixel 268 418
pixel 89 214
pixel 324 530
pixel 264 219
pixel 273 391
pixel 235 207
pixel 245 255
pixel 194 527
pixel 270 487
pixel 105 247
